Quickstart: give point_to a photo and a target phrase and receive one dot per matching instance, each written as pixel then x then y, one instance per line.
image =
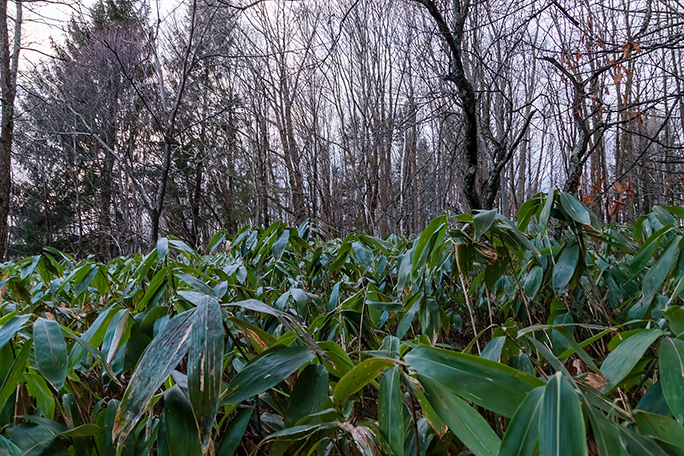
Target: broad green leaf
pixel 115 332
pixel 361 375
pixel 309 393
pixel 412 306
pixel 94 352
pixel 162 248
pixel 109 422
pixel 533 281
pixel 391 410
pixel 38 442
pixel 50 351
pixel 156 364
pixel 39 390
pixel 671 364
pixel 196 284
pixel 482 221
pixel 94 335
pixel 429 412
pixel 181 429
pixel 654 400
pixel 647 250
pixel 236 429
pixel 259 339
pixel 463 420
pixel 561 424
pixel 526 211
pixel 565 266
pixel 10 327
pixel 620 362
pixel 638 445
pixel 338 361
pixel 522 433
pixel 266 372
pixel 8 448
pixel 606 433
pixel 660 427
pixel 546 210
pixel 655 277
pixel 430 236
pixel 489 384
pixel 362 253
pixel 574 209
pixel 205 365
pixel 14 376
pixel 285 318
pixel 279 245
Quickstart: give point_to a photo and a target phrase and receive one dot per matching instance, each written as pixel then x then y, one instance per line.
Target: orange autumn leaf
pixel 629 190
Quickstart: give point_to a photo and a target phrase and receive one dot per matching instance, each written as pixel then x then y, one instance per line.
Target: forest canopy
pixel 146 119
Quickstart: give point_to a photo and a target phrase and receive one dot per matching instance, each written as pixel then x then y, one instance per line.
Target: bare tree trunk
pixel 8 82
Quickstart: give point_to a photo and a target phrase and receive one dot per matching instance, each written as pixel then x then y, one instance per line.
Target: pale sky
pixel 43 20
pixel 46 19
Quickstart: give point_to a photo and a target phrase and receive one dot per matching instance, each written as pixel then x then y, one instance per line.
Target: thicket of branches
pixel 373 116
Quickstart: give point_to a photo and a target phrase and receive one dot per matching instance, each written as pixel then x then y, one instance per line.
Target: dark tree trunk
pixel 8 87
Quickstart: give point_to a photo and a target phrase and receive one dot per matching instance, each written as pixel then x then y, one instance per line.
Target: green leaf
pixel 37 443
pixel 606 433
pixel 391 410
pixel 671 364
pixel 675 316
pixel 10 382
pixel 638 445
pixel 161 356
pixel 620 362
pixel 338 361
pixel 431 235
pixel 574 209
pixel 561 424
pixel 94 352
pixel 205 365
pixel 654 278
pixel 266 372
pixel 565 266
pixel 10 327
pixel 8 448
pixel 482 221
pixel 466 424
pixel 279 245
pixel 39 390
pixel 489 384
pixel 533 281
pixel 162 248
pixel 233 434
pixel 522 432
pixel 181 430
pixel 196 284
pixel 526 211
pixel 50 351
pixel 546 210
pixel 647 250
pixel 308 395
pixel 361 375
pixel 660 427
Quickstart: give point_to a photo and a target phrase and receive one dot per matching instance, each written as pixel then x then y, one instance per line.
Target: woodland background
pixel 154 118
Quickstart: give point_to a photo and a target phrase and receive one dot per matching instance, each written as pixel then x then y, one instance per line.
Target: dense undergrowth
pixel 554 335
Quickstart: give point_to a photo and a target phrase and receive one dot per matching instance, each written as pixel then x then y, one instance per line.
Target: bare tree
pixel 9 63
